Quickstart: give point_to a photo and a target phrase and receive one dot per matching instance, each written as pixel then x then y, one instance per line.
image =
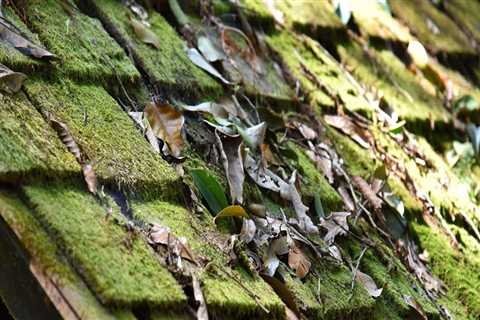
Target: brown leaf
pixel 267 156
pixel 347 126
pixel 335 224
pixel 144 33
pixel 368 284
pixel 166 123
pixel 10 34
pixel 284 292
pixel 262 176
pixel 10 81
pixel 160 235
pixel 90 177
pixel 307 132
pixel 347 199
pixel 323 161
pixel 231 154
pixel 367 192
pixel 67 139
pixel 419 313
pixel 298 262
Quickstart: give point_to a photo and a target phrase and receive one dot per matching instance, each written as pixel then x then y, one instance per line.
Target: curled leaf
pixel 90 177
pixel 209 50
pixel 10 81
pixel 144 34
pixel 232 211
pixel 11 35
pixel 231 154
pixel 210 189
pixel 347 126
pixel 253 136
pixel 200 62
pixel 248 230
pixel 262 176
pixel 160 235
pixel 335 224
pixel 166 123
pixel 298 262
pixel 67 139
pixel 368 284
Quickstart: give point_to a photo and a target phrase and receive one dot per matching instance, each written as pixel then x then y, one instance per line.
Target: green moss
pixel 86 50
pixel 46 255
pixel 117 265
pixel 28 146
pixel 118 151
pixel 224 296
pixel 169 67
pixel 412 204
pixel 467 14
pixel 401 89
pixel 314 182
pixel 295 50
pixel 358 161
pixel 449 39
pixel 375 22
pixel 456 270
pixel 256 11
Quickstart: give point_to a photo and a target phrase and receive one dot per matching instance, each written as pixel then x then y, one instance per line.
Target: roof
pixel 111 170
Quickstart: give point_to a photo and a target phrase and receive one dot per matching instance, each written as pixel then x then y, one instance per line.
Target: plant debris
pixel 10 81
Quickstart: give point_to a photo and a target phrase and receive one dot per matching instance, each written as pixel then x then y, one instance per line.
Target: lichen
pixel 86 50
pixel 116 264
pixel 117 150
pixel 28 146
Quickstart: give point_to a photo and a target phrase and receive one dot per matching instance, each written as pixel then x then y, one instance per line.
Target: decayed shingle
pixel 116 264
pixel 168 66
pixel 86 50
pixel 28 146
pixel 118 152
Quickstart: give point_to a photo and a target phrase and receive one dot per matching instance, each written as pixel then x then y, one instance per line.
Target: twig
pixel 354 275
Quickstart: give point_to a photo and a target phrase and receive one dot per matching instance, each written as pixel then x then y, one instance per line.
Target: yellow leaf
pixel 232 211
pixel 166 123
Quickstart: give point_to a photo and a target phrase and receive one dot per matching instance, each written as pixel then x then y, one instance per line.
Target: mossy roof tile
pixel 119 153
pixel 467 14
pixel 28 146
pixel 117 265
pixel 168 66
pixel 86 50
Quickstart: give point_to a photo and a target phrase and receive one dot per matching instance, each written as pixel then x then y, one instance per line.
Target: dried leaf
pixel 210 189
pixel 67 139
pixel 278 246
pixel 335 224
pixel 215 109
pixel 474 135
pixel 335 252
pixel 90 177
pixel 231 211
pixel 166 123
pixel 257 210
pixel 307 132
pixel 253 136
pixel 231 155
pixel 368 284
pixel 11 35
pixel 262 176
pixel 298 262
pixel 202 312
pixel 271 264
pixel 283 291
pixel 347 126
pixel 347 199
pixel 418 53
pixel 417 308
pixel 200 62
pixel 144 34
pixel 323 162
pixel 367 192
pixel 160 235
pixel 10 81
pixel 248 230
pixel 209 50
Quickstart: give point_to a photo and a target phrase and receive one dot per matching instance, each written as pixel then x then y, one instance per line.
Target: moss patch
pixel 295 50
pixel 118 151
pixel 448 39
pixel 459 273
pixel 86 49
pixel 168 67
pixel 467 14
pixel 224 296
pixel 28 146
pixel 120 274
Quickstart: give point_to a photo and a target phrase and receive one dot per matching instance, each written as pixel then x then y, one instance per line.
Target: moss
pixel 400 88
pixel 358 161
pixel 465 13
pixel 119 153
pixel 375 22
pixel 256 11
pixel 13 58
pixel 412 204
pixel 28 146
pixel 295 50
pixel 169 67
pixel 453 268
pixel 416 15
pixel 224 297
pixel 314 182
pixel 86 50
pixel 117 265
